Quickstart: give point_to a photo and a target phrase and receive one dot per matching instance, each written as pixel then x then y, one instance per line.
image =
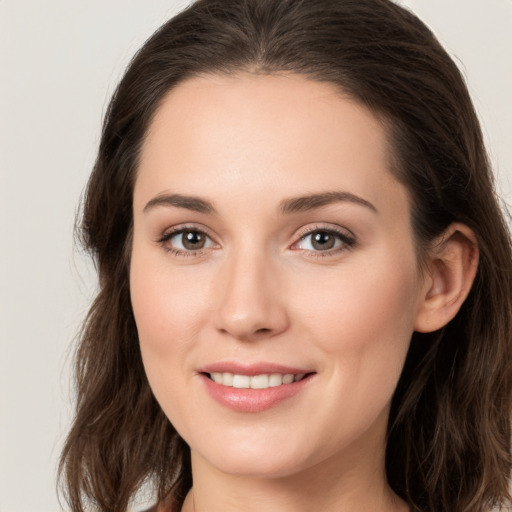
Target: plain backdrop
pixel 59 62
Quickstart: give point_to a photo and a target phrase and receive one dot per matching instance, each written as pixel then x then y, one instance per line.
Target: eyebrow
pixel 193 203
pixel 312 201
pixel 287 206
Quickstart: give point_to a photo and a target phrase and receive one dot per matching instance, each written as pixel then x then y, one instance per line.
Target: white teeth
pixel 227 379
pixel 288 378
pixel 276 379
pixel 262 381
pixel 241 381
pixel 259 382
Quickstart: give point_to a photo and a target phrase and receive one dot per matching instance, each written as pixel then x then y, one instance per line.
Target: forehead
pixel 250 132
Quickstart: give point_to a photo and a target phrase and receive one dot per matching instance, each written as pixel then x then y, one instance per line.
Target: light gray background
pixel 59 61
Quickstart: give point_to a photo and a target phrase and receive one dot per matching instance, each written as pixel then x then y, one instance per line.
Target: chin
pixel 256 459
pixel 256 467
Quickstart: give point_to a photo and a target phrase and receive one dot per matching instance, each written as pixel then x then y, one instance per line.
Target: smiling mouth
pixel 262 381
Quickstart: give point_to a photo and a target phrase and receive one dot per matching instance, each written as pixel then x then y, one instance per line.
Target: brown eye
pixel 193 240
pixel 323 240
pixel 186 240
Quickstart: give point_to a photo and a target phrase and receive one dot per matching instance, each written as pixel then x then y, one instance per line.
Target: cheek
pixel 168 313
pixel 166 306
pixel 167 309
pixel 362 328
pixel 364 317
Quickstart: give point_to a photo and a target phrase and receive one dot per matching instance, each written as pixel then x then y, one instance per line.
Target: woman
pixel 305 291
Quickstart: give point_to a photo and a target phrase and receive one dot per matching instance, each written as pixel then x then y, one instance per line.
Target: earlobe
pixel 452 266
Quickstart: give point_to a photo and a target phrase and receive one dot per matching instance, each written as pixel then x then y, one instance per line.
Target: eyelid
pixel 346 236
pixel 311 228
pixel 180 228
pixel 172 230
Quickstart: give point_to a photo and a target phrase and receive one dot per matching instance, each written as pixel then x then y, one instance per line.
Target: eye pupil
pixel 193 240
pixel 323 240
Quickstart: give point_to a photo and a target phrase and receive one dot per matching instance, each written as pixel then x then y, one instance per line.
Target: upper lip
pixel 251 369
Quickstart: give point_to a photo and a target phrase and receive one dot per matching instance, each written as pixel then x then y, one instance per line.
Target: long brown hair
pixel 448 446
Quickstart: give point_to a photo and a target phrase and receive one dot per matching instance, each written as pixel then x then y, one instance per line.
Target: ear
pixel 451 269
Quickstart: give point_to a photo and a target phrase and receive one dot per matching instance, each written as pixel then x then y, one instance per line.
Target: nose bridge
pixel 249 302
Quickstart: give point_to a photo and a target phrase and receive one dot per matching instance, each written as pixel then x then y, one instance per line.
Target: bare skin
pixel 269 230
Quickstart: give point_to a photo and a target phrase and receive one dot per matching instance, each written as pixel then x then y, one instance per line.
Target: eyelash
pixel 348 241
pixel 179 230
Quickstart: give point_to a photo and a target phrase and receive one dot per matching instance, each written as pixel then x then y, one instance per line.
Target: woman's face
pixel 272 243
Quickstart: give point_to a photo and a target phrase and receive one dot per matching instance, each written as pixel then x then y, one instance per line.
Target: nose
pixel 250 299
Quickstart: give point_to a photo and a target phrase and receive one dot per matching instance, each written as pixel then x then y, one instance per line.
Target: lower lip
pixel 253 400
